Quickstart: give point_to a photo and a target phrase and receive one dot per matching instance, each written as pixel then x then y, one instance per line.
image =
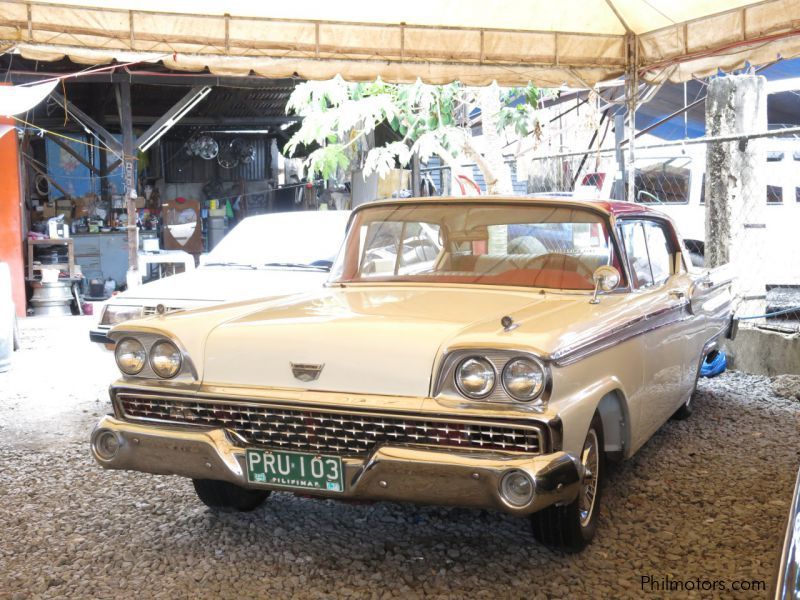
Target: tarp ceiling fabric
pixel 16 100
pixel 577 42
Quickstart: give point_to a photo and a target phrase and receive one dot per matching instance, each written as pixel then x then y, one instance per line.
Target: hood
pixel 222 284
pixel 373 340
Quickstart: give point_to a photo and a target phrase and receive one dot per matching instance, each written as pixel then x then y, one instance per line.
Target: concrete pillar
pixel 735 187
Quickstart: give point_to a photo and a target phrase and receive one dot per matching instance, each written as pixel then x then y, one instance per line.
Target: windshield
pixel 528 245
pixel 283 240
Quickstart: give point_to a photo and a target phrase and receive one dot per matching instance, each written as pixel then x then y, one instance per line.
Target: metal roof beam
pixel 88 122
pixel 171 117
pixel 153 78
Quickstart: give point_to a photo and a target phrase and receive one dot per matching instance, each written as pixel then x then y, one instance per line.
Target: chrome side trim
pixel 636 327
pixel 788 575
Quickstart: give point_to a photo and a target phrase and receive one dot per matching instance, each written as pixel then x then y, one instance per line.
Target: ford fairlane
pixel 495 352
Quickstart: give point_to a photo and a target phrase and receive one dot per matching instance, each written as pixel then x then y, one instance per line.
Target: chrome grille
pixel 328 431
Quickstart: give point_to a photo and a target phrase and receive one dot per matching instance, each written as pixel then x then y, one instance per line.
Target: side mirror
pixel 606 278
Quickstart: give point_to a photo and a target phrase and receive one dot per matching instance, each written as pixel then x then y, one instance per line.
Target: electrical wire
pixel 89 71
pixel 786 311
pixel 61 135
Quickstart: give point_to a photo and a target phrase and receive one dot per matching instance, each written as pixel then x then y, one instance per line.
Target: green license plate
pixel 296 470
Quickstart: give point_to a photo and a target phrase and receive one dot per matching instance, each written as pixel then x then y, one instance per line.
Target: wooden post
pixel 415 176
pixel 129 176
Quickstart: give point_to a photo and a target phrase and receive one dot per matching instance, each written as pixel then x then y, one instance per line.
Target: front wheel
pixel 570 528
pixel 223 495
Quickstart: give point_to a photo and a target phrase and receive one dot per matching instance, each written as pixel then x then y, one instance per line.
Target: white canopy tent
pixel 573 42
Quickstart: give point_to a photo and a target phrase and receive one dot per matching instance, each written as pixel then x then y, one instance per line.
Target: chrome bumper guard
pixel 402 473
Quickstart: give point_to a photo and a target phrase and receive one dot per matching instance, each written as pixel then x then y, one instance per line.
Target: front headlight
pixel 130 355
pixel 523 379
pixel 118 313
pixel 475 377
pixel 165 359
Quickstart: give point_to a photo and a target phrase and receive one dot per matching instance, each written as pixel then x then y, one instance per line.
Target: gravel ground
pixel 706 498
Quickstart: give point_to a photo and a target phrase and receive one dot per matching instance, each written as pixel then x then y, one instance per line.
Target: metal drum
pixel 51 298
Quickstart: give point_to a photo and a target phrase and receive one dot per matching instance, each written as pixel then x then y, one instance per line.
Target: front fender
pixel 576 412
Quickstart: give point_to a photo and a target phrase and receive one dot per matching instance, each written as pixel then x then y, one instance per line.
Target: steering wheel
pixel 561 262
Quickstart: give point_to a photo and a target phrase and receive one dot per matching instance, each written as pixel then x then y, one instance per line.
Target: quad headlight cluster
pixel 164 357
pixel 522 378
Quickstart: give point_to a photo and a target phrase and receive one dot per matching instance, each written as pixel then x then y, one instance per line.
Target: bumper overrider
pixel 403 472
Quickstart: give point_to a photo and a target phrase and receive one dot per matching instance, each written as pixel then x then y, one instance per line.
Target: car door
pixel 661 286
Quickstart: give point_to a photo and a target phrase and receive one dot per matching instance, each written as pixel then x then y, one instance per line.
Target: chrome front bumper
pixel 403 473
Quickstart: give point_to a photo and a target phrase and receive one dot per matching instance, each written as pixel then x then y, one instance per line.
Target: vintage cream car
pixel 478 352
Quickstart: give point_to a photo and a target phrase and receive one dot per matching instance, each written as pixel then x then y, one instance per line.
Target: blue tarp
pixel 781 108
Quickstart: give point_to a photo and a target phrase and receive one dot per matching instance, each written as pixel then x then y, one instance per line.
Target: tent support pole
pixel 631 93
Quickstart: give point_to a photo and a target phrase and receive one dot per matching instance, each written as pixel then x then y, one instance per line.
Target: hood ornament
pixel 306 372
pixel 508 324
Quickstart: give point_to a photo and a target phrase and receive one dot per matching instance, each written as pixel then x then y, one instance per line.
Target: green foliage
pixel 427 119
pixel 519 110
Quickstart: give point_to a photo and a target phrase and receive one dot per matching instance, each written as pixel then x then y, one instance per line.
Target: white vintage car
pixel 263 256
pixel 498 363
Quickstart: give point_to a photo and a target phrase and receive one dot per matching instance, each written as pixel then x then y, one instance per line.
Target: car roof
pixel 614 208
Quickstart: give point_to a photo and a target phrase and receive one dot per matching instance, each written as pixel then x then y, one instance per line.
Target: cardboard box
pixel 84 206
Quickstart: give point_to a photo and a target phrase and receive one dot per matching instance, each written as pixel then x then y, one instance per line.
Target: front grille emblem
pixel 306 372
pixel 181 414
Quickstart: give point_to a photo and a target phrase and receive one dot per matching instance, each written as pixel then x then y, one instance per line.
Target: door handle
pixel 677 294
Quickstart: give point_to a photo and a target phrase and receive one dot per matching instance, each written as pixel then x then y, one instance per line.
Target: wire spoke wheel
pixel 570 527
pixel 590 459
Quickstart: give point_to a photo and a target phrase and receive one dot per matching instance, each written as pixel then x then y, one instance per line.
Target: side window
pixel 636 246
pixel 649 252
pixel 659 250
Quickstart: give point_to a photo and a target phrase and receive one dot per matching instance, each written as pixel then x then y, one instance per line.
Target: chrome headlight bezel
pixel 445 388
pixel 148 338
pixel 113 314
pixel 177 358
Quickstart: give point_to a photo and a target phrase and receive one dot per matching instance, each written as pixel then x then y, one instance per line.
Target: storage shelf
pixel 69 267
